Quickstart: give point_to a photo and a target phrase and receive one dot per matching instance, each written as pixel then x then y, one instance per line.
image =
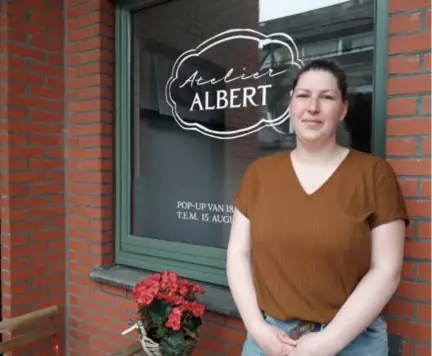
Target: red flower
pixel 169 281
pixel 174 319
pixel 183 287
pixel 179 293
pixel 145 291
pixel 173 299
pixel 197 289
pixel 197 309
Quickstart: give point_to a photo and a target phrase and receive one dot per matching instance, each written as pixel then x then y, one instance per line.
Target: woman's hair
pixel 326 66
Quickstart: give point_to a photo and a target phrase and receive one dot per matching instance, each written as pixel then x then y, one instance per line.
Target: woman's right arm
pixel 239 272
pixel 269 338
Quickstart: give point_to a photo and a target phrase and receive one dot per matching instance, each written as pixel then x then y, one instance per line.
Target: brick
pixel 27 78
pixel 403 64
pixel 95 165
pixel 424 312
pixel 102 249
pixel 426 105
pixel 411 167
pixel 14 139
pixel 427 62
pixel 423 350
pixel 409 85
pixel 88 153
pixel 401 147
pixel 408 270
pixel 46 116
pixel 415 249
pixel 209 344
pixel 402 5
pixel 407 348
pixel 409 43
pixel 46 140
pixel 46 69
pixel 15 11
pixel 426 146
pixel 19 177
pixel 424 230
pixel 425 188
pixel 418 208
pixel 82 9
pixel 427 15
pixel 222 333
pixel 424 269
pixel 401 106
pixel 400 308
pixel 405 23
pixel 26 52
pixel 410 231
pixel 410 329
pixel 17 88
pixel 414 291
pixel 91 129
pixel 16 288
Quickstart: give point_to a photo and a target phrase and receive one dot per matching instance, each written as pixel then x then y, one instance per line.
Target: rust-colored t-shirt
pixel 310 251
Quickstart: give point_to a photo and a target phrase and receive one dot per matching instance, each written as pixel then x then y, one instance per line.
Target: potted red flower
pixel 169 314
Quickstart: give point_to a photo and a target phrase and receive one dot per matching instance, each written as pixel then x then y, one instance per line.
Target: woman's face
pixel 316 106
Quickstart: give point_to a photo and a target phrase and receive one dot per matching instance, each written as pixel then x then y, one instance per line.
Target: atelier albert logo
pixel 238 95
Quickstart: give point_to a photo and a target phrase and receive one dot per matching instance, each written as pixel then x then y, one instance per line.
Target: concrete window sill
pixel 217 299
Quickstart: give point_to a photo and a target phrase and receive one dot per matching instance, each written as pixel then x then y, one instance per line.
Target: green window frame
pixel 201 263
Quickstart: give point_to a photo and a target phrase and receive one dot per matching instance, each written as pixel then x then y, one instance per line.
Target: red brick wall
pixel 409 151
pixel 94 316
pixel 39 221
pixel 32 181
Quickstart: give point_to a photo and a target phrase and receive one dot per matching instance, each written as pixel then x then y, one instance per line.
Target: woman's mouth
pixel 313 122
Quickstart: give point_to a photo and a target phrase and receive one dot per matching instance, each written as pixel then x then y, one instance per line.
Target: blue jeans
pixel 371 342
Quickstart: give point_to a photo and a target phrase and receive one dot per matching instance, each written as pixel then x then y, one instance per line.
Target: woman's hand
pixel 313 344
pixel 273 341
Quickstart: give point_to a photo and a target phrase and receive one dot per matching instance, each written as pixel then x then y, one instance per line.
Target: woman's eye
pixel 301 95
pixel 328 97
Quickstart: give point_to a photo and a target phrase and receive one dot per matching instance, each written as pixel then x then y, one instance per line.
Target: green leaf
pixel 170 350
pixel 158 312
pixel 177 339
pixel 173 345
pixel 160 332
pixel 192 323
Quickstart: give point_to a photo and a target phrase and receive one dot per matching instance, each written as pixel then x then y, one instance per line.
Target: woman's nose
pixel 313 107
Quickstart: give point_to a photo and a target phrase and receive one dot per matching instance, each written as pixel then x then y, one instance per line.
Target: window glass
pixel 211 86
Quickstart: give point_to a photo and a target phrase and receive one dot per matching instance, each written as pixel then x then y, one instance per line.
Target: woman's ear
pixel 345 110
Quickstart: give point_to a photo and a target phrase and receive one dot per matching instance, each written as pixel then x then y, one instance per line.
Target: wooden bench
pixel 134 349
pixel 42 328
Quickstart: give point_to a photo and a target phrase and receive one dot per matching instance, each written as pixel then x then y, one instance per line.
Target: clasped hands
pixel 310 344
pixel 275 342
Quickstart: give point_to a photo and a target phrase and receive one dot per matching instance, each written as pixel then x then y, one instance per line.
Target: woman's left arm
pixel 374 290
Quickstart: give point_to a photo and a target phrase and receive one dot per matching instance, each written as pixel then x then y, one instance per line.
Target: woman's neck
pixel 318 154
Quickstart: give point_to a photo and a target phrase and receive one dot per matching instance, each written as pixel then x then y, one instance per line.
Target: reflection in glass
pixel 184 179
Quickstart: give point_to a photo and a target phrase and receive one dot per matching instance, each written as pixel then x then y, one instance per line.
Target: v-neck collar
pixel 324 183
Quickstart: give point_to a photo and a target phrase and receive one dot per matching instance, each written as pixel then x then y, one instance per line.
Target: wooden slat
pixel 134 349
pixel 26 339
pixel 27 319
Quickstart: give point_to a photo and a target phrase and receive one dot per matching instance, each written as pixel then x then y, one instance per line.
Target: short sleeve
pixel 388 197
pixel 246 190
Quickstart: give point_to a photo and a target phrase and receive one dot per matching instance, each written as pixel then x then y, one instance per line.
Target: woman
pixel 316 243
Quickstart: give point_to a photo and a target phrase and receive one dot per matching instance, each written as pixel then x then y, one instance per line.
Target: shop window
pixel 202 90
